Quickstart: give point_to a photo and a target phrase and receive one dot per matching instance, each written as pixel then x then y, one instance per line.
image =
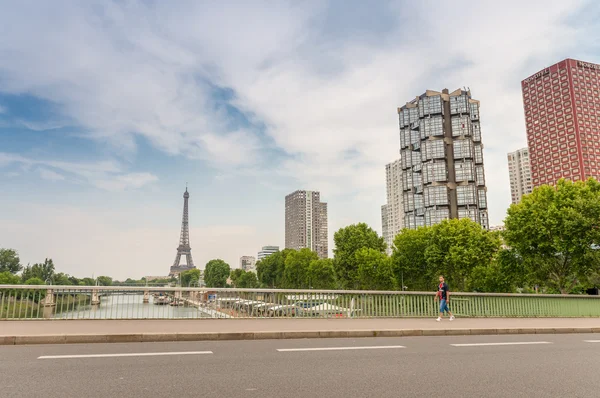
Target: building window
pixel 459 104
pixel 461 126
pixel 465 195
pixel 463 149
pixel 435 216
pixel 434 149
pixel 435 172
pixel 464 171
pixel 474 111
pixel 417 183
pixel 409 202
pixel 436 196
pixel 432 127
pixel 478 154
pixel 476 128
pixel 430 105
pixel 469 213
pixel 482 198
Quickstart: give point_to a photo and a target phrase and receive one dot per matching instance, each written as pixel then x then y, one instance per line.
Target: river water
pixel 129 306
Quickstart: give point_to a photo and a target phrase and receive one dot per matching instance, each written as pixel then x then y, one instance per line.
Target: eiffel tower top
pixel 186 194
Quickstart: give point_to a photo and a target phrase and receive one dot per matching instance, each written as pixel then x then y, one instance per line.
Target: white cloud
pixel 51 175
pixel 125 181
pixel 108 175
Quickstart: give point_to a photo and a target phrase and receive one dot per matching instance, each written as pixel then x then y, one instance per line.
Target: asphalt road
pixel 461 366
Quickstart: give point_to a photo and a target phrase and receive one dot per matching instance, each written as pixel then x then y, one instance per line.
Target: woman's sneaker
pixel 439 318
pixel 452 318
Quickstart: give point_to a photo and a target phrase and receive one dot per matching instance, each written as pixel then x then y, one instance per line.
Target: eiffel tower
pixel 184 248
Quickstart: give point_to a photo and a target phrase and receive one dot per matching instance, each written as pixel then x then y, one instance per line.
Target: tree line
pixel 551 244
pixel 40 273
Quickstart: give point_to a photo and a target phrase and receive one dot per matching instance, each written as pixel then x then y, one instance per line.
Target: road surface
pixel 461 366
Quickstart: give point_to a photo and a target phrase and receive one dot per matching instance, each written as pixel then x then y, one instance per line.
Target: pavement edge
pixel 273 335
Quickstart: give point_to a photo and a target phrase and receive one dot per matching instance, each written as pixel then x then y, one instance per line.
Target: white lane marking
pixel 507 343
pixel 375 347
pixel 592 341
pixel 134 354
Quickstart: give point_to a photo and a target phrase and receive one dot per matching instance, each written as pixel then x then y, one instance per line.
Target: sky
pixel 108 108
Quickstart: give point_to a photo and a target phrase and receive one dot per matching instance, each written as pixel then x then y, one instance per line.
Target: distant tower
pixel 184 248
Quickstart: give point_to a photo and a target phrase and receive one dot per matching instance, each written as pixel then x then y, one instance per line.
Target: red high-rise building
pixel 562 113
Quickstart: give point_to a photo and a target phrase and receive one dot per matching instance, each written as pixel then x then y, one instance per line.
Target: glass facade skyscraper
pixel 442 159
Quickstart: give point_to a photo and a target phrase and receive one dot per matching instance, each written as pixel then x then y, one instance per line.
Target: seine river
pixel 128 306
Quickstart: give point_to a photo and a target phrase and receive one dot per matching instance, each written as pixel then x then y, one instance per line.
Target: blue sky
pixel 108 108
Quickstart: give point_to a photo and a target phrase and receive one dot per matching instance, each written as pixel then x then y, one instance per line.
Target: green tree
pixel 34 281
pixel 87 282
pixel 235 276
pixel 375 270
pixel 216 273
pixel 74 281
pixel 321 274
pixel 348 241
pixel 190 277
pixel 271 269
pixel 7 278
pixel 9 261
pixel 408 258
pixel 502 275
pixel 104 281
pixel 556 230
pixel 296 268
pixel 61 279
pixel 43 271
pixel 458 246
pixel 247 280
pixel 266 271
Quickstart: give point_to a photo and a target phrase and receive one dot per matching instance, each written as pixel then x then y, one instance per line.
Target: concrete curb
pixel 297 334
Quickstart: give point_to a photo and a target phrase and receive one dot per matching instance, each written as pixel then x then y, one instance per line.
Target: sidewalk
pixel 107 331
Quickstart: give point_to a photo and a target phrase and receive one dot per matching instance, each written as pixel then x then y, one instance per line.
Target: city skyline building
pixel 519 171
pixel 266 251
pixel 392 213
pixel 184 248
pixel 306 222
pixel 562 117
pixel 248 263
pixel 442 159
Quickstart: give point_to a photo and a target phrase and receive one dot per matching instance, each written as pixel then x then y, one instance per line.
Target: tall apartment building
pixel 392 214
pixel 266 251
pixel 442 159
pixel 562 115
pixel 248 263
pixel 520 174
pixel 306 222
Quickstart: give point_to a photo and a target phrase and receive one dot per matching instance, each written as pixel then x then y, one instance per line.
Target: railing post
pixel 95 298
pixel 49 304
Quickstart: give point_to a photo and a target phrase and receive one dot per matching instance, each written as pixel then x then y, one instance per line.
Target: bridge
pixel 82 302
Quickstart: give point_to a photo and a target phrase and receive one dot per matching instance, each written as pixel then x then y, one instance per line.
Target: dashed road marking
pixel 506 343
pixel 133 354
pixel 375 347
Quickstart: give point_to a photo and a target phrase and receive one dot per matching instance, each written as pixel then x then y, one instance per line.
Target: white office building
pixel 519 171
pixel 392 213
pixel 266 251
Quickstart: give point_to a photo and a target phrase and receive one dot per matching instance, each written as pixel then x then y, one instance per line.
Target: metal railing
pixel 110 302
